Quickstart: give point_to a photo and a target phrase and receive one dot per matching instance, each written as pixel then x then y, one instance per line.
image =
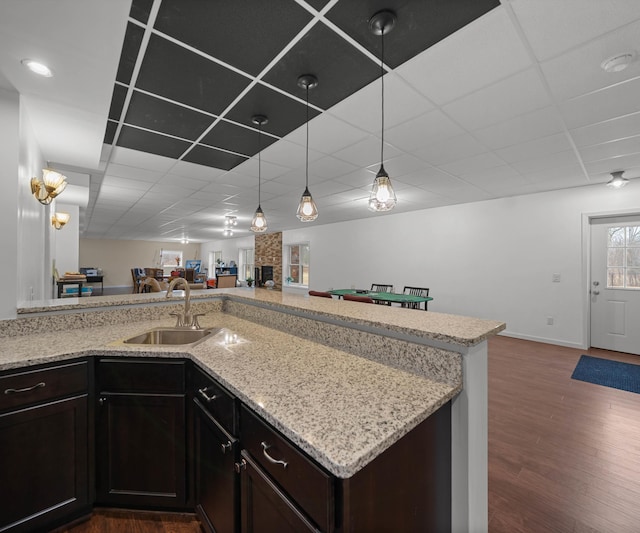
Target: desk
pixel 96 279
pixel 392 297
pixel 62 283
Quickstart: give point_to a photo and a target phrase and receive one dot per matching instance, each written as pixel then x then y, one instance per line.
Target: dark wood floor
pixel 564 455
pixel 123 521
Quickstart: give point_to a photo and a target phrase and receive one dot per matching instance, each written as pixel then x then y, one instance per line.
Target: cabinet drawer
pixel 310 487
pixel 151 376
pixel 217 401
pixel 33 386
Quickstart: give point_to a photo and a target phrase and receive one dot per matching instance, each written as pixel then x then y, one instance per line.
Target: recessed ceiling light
pixel 618 62
pixel 37 67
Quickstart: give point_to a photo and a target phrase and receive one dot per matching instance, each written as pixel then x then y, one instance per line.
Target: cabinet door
pixel 264 508
pixel 217 483
pixel 44 465
pixel 140 450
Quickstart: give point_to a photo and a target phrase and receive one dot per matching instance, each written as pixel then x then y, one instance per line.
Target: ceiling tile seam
pixel 175 102
pixel 626 115
pixel 543 80
pixel 602 89
pixel 594 39
pixel 136 70
pixel 611 141
pixel 312 10
pixel 355 44
pixel 613 157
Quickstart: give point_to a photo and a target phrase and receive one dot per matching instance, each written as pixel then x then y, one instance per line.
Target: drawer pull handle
pixel 225 446
pixel 26 389
pixel 203 393
pixel 265 447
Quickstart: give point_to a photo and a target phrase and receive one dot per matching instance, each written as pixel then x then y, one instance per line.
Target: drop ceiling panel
pixel 452 149
pixel 611 149
pixel 229 136
pixel 439 20
pixel 606 104
pixel 618 128
pixel 492 51
pixel 474 163
pixel 526 127
pixel 210 157
pixel 153 113
pixel 340 69
pixel 183 76
pixel 366 153
pixel 508 98
pixel 243 36
pixel 538 148
pixel 423 130
pixel 143 160
pixel 553 27
pixel 584 64
pixel 153 143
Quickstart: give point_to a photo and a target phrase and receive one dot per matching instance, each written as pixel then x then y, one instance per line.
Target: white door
pixel 615 285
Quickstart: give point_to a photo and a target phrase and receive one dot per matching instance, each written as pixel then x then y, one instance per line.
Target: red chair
pixel 354 298
pixel 321 294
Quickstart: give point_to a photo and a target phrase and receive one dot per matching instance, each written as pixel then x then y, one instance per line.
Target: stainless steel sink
pixel 173 336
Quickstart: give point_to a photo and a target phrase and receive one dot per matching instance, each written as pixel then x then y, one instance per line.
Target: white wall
pixel 229 247
pixel 9 150
pixel 66 239
pixel 493 259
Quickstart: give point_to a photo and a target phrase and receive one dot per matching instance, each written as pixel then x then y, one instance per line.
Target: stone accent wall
pixel 268 252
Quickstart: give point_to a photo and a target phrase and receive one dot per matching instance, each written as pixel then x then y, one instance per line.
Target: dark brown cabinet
pixel 45 448
pixel 215 452
pixel 140 433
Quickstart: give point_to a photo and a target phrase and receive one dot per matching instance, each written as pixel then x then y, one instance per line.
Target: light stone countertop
pixel 442 327
pixel 343 410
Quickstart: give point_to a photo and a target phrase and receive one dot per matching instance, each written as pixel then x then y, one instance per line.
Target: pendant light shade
pixel 382 197
pixel 307 209
pixel 259 222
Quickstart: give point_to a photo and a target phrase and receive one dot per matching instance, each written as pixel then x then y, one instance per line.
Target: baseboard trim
pixel 557 342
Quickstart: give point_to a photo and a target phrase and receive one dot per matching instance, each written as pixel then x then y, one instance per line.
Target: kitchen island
pixel 322 372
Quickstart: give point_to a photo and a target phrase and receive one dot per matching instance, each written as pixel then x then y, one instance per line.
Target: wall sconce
pixel 60 219
pixel 51 185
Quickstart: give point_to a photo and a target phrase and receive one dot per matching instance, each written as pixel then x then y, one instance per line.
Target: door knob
pixel 596 283
pixel 595 292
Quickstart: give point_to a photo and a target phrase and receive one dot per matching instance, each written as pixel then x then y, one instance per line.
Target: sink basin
pixel 173 336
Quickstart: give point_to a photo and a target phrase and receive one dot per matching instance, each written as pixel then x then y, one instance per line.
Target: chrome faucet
pixel 186 320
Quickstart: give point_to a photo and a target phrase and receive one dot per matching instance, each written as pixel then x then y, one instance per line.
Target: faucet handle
pixel 179 319
pixel 194 320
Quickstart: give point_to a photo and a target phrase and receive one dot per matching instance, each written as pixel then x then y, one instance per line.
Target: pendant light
pixel 382 197
pixel 307 209
pixel 259 222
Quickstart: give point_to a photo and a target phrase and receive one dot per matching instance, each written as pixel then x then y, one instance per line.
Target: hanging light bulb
pixel 259 222
pixel 382 197
pixel 307 209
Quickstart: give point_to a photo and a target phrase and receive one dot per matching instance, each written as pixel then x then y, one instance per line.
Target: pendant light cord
pixel 307 151
pixel 259 159
pixel 382 83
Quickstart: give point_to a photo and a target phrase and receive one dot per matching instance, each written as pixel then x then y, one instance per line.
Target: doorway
pixel 614 285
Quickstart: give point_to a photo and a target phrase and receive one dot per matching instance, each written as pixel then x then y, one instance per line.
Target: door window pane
pixel 623 257
pixel 633 278
pixel 615 277
pixel 615 257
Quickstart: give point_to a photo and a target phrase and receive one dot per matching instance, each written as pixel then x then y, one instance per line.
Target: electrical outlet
pixel 549 321
pixel 555 277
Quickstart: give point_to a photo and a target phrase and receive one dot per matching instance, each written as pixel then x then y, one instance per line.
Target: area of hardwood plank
pixel 126 521
pixel 564 455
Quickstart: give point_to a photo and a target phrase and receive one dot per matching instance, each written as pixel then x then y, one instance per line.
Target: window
pixel 623 257
pixel 213 261
pixel 298 267
pixel 246 263
pixel 170 259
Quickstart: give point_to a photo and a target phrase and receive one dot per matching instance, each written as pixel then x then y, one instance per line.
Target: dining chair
pixel 321 294
pixel 355 298
pixel 381 287
pixel 137 274
pixel 415 291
